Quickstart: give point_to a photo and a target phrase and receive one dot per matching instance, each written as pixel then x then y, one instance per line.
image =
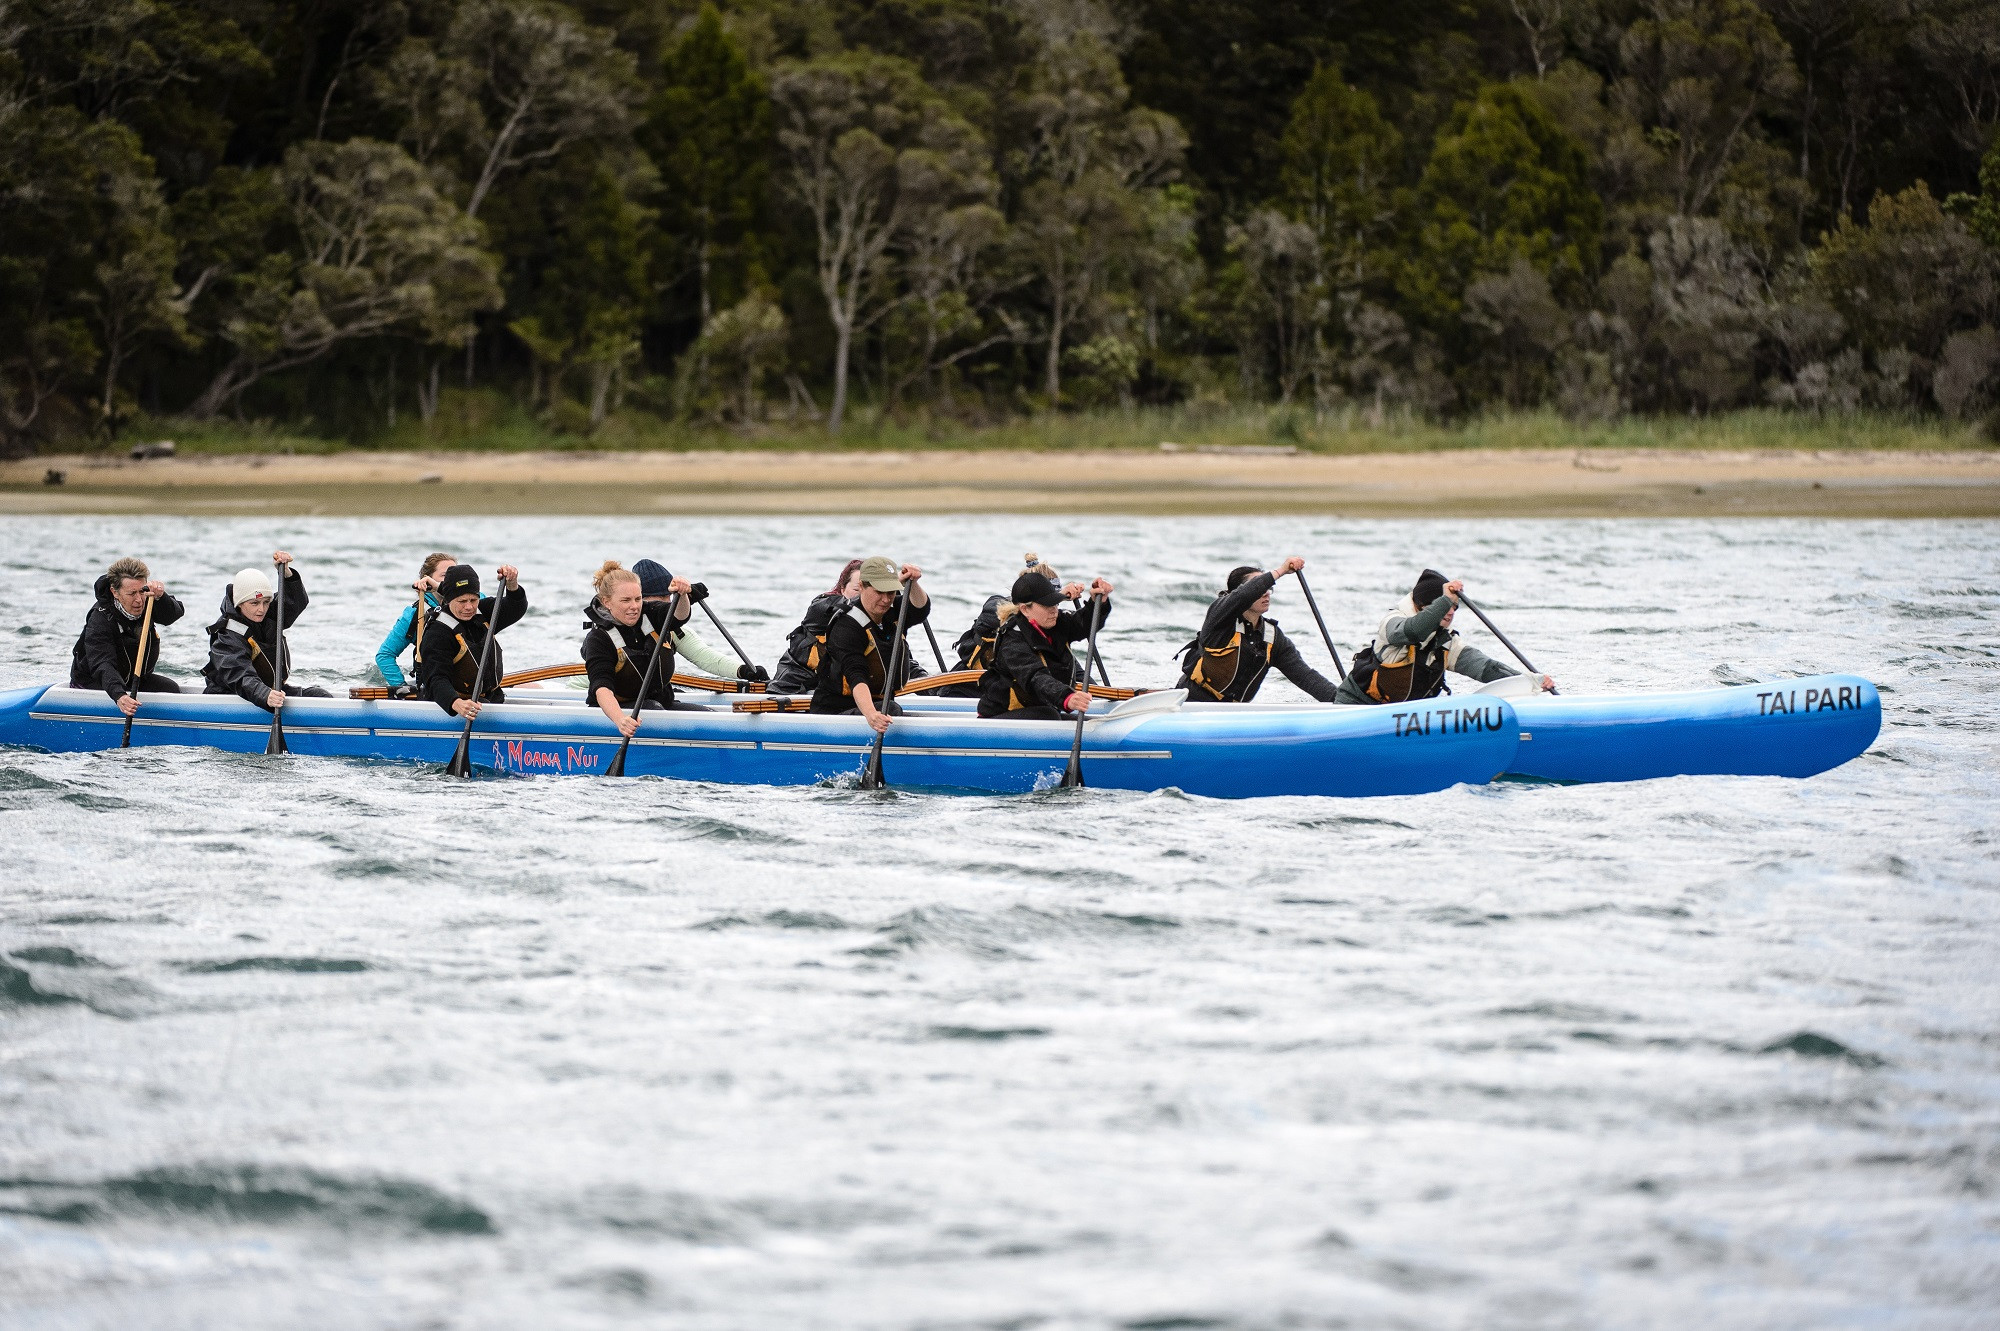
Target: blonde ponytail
pixel 1005 611
pixel 612 574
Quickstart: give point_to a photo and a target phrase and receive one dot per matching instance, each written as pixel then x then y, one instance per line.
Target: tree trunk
pixel 843 338
pixel 427 394
pixel 392 390
pixel 232 379
pixel 600 391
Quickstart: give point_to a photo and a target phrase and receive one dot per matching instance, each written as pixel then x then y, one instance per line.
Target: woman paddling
pixel 1416 646
pixel 975 645
pixel 448 665
pixel 1034 677
pixel 805 646
pixel 246 646
pixel 409 628
pixel 1239 643
pixel 617 651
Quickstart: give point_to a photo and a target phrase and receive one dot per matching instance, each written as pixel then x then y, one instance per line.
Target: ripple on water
pixel 248 1194
pixel 286 965
pixel 1001 934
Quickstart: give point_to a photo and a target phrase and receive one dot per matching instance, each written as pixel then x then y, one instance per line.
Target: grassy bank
pixel 487 423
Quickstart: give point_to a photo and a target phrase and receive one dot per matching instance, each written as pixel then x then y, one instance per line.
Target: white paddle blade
pixel 1512 686
pixel 1162 700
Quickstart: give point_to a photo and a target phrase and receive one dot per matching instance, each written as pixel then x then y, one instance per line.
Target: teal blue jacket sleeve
pixel 392 647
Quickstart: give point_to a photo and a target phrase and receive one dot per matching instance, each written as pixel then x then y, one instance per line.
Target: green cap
pixel 880 574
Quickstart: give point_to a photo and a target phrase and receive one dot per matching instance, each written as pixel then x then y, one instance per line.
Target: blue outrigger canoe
pixel 1157 740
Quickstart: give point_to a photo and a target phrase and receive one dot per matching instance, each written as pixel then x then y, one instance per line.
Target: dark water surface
pixel 309 1042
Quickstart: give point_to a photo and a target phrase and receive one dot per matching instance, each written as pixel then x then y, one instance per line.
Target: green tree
pixel 584 303
pixel 1908 277
pixel 1339 158
pixel 871 150
pixel 1697 73
pixel 365 247
pixel 1094 165
pixel 708 132
pixel 1503 182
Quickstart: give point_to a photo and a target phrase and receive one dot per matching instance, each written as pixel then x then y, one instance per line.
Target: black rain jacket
pixel 452 647
pixel 232 668
pixel 106 649
pixel 601 657
pixel 845 660
pixel 1035 664
pixel 1263 647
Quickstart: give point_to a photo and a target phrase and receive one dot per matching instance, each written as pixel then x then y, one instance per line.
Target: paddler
pixel 975 645
pixel 1415 647
pixel 798 668
pixel 246 647
pixel 408 631
pixel 448 661
pixel 861 642
pixel 659 587
pixel 1034 676
pixel 618 649
pixel 108 654
pixel 1240 643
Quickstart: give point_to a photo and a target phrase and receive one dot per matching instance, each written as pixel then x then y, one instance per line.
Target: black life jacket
pixel 976 644
pixel 463 668
pixel 806 645
pixel 628 675
pixel 1214 670
pixel 1419 675
pixel 877 671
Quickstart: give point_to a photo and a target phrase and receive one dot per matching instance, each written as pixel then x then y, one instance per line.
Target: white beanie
pixel 248 583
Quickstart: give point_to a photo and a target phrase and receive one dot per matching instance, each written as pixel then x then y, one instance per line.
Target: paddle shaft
pixel 139 665
pixel 1103 675
pixel 461 761
pixel 871 776
pixel 726 637
pixel 931 633
pixel 617 767
pixel 275 742
pixel 1073 774
pixel 1494 629
pixel 1324 635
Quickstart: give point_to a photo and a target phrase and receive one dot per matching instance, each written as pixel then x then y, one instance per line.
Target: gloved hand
pixel 697 593
pixel 756 674
pixel 404 690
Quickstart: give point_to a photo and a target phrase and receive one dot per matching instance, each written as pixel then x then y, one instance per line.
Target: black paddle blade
pixel 871 775
pixel 126 742
pixel 1072 777
pixel 461 762
pixel 276 743
pixel 617 767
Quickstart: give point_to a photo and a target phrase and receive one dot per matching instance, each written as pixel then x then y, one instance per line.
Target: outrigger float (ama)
pixel 1795 727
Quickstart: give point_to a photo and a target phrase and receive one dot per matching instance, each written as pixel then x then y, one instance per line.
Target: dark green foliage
pixel 319 210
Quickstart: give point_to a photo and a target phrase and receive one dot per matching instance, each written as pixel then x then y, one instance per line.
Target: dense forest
pixel 332 211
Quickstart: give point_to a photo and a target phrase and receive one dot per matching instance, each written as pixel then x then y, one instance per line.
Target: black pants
pixel 1031 714
pixel 306 691
pixel 157 684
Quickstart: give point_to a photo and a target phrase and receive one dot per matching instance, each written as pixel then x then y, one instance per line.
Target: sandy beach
pixel 1523 483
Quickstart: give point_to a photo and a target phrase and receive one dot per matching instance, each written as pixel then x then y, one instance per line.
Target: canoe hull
pixel 1796 727
pixel 1242 753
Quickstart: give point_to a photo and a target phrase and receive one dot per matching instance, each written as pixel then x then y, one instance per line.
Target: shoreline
pixel 1566 482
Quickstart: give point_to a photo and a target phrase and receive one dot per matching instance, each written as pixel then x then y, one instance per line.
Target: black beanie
pixel 1239 574
pixel 1430 586
pixel 459 580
